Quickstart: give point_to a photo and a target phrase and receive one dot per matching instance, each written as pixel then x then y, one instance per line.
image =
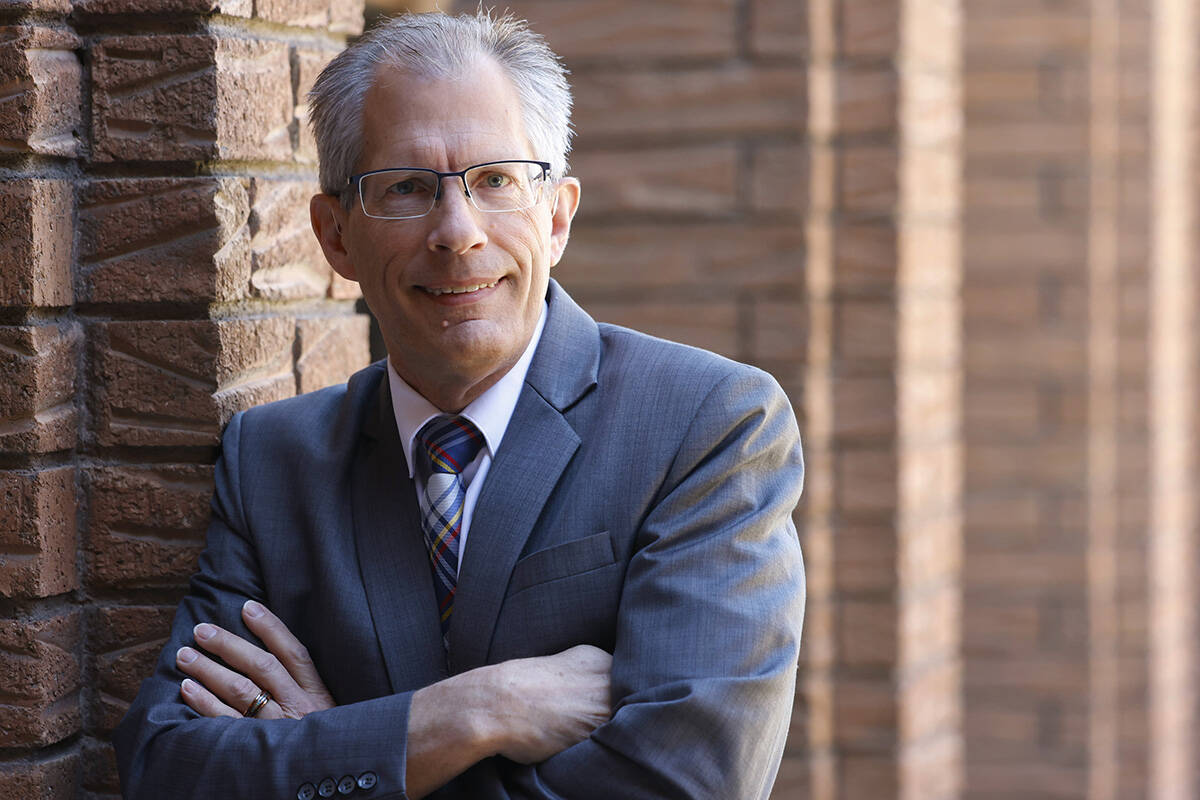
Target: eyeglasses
pixel 411 192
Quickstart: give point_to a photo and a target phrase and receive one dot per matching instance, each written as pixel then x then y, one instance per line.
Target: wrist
pixel 483 692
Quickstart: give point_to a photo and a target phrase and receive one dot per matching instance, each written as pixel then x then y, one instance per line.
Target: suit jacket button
pixel 326 788
pixel 306 792
pixel 367 780
pixel 346 784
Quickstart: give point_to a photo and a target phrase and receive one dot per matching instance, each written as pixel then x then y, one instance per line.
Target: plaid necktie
pixel 446 446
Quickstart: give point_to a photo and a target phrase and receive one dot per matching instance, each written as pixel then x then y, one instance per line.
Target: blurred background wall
pixel 962 235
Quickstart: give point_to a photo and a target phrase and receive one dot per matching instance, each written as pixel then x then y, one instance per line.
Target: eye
pixel 403 187
pixel 496 180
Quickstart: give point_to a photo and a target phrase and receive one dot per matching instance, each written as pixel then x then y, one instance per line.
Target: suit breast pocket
pixel 562 561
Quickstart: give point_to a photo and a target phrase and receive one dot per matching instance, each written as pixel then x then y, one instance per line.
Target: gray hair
pixel 438 45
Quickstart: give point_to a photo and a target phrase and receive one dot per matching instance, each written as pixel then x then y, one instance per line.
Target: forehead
pixel 443 122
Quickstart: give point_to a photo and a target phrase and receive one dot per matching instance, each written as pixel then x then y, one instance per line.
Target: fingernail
pixel 186 655
pixel 253 609
pixel 204 631
pixel 188 685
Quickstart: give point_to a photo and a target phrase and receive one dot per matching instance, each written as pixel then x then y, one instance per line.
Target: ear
pixel 566 203
pixel 329 221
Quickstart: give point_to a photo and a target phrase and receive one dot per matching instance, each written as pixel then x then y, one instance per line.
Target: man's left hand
pixel 284 669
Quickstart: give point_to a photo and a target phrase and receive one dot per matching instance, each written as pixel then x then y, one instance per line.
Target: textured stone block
pixel 733 99
pixel 865 334
pixel 780 331
pixel 37 778
pixel 146 525
pixel 125 642
pixel 178 382
pixel 865 716
pixel 868 180
pixel 145 240
pixel 191 97
pixel 868 101
pixel 864 560
pixel 37 532
pixel 696 180
pixel 335 16
pixel 307 63
pixel 718 255
pixel 39 679
pixel 779 28
pixel 42 107
pixel 865 482
pixel 35 236
pixel 233 8
pixel 37 410
pixel 330 350
pixel 869 30
pixel 286 259
pixel 590 30
pixel 868 633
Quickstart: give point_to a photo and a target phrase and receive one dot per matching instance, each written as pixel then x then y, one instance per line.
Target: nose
pixel 455 224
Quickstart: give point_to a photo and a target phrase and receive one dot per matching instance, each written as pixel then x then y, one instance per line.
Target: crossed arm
pixel 525 710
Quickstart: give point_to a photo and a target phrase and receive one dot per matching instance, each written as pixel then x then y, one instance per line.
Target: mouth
pixel 439 291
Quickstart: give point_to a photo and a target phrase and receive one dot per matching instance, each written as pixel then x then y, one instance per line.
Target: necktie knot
pixel 450 443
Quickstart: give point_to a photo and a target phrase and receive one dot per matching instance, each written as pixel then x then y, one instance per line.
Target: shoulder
pixel 666 369
pixel 321 420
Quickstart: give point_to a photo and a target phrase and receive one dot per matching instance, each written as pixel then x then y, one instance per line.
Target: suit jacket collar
pixel 536 449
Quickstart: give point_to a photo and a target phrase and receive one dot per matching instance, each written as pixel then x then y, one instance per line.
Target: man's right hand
pixel 548 703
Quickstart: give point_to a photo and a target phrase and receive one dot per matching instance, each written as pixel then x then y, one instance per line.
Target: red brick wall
pixel 156 275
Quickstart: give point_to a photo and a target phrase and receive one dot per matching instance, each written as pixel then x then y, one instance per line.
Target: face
pixel 458 292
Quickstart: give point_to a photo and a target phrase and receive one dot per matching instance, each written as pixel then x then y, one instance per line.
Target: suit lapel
pixel 537 447
pixel 391 553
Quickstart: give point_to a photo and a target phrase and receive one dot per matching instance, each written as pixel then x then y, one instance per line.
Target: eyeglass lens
pixel 407 193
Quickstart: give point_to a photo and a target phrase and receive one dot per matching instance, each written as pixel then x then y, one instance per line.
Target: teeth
pixel 462 289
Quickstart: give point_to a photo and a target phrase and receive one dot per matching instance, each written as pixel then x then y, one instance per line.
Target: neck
pixel 450 394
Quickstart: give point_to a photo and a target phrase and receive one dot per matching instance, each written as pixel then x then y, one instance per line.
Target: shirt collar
pixel 490 412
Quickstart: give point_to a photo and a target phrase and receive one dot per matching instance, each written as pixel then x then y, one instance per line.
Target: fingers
pixel 218 691
pixel 258 667
pixel 287 648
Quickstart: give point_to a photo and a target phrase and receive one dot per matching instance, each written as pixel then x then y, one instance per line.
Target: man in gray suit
pixel 623 620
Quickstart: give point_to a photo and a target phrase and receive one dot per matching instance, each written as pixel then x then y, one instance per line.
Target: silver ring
pixel 263 698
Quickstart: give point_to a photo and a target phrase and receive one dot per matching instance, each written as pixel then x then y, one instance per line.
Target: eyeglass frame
pixel 356 182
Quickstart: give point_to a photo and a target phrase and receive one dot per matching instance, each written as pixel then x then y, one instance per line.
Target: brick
pixel 146 525
pixel 37 533
pixel 588 30
pixel 865 334
pixel 148 240
pixel 1004 412
pixel 1029 140
pixel 866 259
pixel 1026 92
pixel 1027 36
pixel 35 235
pixel 338 16
pixel 716 255
pixel 864 559
pixel 867 633
pixel 1030 353
pixel 307 63
pixel 932 36
pixel 177 383
pixel 39 680
pixel 191 97
pixel 733 99
pixel 125 643
pixel 869 30
pixel 779 179
pixel 931 769
pixel 867 102
pixel 286 258
pixel 779 28
pixel 691 180
pixel 930 336
pixel 865 482
pixel 37 412
pixel 929 628
pixel 41 778
pixel 931 549
pixel 780 331
pixel 931 179
pixel 97 8
pixel 100 776
pixel 865 716
pixel 931 115
pixel 864 409
pixel 330 350
pixel 713 326
pixel 868 180
pixel 42 107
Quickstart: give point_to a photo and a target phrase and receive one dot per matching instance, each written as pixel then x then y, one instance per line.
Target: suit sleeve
pixel 708 637
pixel 165 749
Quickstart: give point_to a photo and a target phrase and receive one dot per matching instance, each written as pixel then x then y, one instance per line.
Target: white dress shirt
pixel 490 413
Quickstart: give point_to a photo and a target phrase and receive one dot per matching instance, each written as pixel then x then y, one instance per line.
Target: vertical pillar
pixel 883 398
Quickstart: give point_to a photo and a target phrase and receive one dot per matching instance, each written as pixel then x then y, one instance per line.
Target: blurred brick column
pixel 1079 632
pixel 883 400
pixel 157 173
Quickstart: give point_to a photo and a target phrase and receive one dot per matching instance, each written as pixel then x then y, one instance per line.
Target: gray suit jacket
pixel 640 502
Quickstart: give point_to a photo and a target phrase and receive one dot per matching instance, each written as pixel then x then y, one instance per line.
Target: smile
pixel 459 289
